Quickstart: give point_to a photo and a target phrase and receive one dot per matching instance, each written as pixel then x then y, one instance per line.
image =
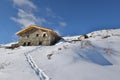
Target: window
pixel 40 43
pixel 29 43
pixel 27 36
pixel 37 35
pixel 44 35
pixel 24 44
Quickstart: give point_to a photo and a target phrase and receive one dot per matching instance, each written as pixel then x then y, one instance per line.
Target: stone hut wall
pixel 37 37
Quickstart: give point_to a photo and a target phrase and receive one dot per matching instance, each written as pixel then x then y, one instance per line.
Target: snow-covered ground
pixel 95 58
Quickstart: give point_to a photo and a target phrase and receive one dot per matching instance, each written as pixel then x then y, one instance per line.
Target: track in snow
pixel 38 71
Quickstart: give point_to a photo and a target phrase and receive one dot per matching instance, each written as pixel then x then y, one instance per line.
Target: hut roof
pixel 19 33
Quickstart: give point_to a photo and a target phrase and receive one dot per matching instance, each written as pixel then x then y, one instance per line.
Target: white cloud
pixel 25 18
pixel 50 13
pixel 59 19
pixel 62 24
pixel 21 3
pixel 25 15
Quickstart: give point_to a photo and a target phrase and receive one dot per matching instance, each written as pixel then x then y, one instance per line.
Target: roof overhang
pixel 19 33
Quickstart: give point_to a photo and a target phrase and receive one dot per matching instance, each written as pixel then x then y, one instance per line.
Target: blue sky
pixel 67 17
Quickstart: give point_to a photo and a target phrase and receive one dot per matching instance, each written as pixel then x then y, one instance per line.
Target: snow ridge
pixel 38 71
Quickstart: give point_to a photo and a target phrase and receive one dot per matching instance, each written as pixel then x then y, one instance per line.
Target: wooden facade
pixel 35 35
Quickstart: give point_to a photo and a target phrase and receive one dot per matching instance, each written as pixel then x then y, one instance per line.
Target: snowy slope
pixel 13 65
pixel 96 58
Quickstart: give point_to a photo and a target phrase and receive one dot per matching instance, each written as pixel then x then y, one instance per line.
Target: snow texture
pixel 95 58
pixel 33 65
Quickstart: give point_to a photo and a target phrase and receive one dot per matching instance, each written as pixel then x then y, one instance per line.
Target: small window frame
pixel 24 44
pixel 40 43
pixel 44 35
pixel 29 44
pixel 28 36
pixel 37 35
